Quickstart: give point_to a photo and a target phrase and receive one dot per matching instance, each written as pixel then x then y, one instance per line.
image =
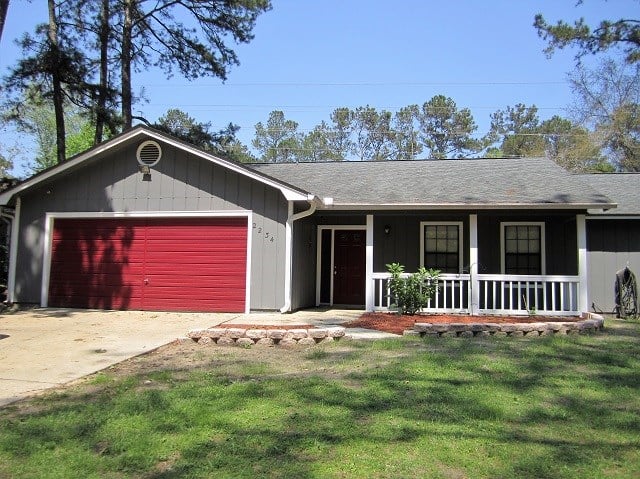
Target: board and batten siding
pixel 612 244
pixel 180 182
pixel 402 244
pixel 304 261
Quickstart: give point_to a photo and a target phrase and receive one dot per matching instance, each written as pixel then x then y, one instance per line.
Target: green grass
pixel 558 407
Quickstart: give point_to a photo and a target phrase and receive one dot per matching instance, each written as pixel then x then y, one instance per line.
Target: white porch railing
pixel 525 294
pixel 497 294
pixel 452 295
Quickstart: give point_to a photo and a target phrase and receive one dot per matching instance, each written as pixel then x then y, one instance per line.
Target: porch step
pixel 505 329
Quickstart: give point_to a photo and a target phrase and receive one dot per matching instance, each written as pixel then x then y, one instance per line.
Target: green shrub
pixel 411 293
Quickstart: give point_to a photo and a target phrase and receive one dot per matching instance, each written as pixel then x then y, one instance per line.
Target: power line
pixel 207 106
pixel 354 84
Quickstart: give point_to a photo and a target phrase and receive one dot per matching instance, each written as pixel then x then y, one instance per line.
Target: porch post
pixel 474 284
pixel 583 288
pixel 288 253
pixel 368 290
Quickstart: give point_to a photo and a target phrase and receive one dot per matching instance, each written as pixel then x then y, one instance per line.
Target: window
pixel 522 248
pixel 441 246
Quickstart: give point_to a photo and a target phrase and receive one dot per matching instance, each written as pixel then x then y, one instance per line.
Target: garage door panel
pixel 196 264
pixel 194 250
pixel 62 268
pixel 187 263
pixel 97 284
pixel 175 257
pixel 217 272
pixel 188 285
pixel 101 252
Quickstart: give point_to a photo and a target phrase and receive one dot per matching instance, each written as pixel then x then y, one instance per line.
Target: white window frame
pixel 459 224
pixel 543 255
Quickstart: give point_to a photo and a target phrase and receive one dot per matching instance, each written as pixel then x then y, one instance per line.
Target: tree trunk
pixel 4 6
pixel 101 110
pixel 58 95
pixel 126 64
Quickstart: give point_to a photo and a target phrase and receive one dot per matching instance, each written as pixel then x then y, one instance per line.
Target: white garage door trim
pixel 51 216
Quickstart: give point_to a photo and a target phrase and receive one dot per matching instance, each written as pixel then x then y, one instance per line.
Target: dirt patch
pixel 396 323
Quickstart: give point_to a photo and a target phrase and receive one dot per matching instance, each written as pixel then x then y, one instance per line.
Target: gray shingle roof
pixel 622 188
pixel 481 183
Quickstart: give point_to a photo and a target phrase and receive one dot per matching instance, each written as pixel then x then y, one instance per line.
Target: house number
pixel 267 235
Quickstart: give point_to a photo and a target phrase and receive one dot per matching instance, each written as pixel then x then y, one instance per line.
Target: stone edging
pixel 505 329
pixel 266 337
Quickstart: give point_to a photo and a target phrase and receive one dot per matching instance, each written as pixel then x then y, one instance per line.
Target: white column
pixel 583 287
pixel 288 253
pixel 368 290
pixel 473 265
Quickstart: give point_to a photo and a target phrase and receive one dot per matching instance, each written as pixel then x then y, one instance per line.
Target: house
pixel 613 236
pixel 144 221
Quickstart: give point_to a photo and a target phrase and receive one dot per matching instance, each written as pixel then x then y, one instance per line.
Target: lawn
pixel 554 407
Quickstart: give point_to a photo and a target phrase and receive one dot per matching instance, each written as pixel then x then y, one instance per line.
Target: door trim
pixel 51 216
pixel 333 229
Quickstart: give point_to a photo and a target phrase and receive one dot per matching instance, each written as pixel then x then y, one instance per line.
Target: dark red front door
pixel 349 267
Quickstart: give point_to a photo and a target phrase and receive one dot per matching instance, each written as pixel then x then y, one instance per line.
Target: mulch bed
pixel 395 323
pixel 266 326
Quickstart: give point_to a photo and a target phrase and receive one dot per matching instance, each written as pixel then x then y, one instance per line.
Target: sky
pixel 309 57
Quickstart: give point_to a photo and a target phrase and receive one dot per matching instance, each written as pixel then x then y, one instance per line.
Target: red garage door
pixel 193 264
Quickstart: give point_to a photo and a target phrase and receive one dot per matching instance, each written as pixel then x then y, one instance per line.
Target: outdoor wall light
pixel 144 169
pixel 387 229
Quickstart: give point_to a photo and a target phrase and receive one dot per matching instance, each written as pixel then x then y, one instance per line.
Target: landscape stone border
pixel 506 329
pixel 248 337
pixel 266 337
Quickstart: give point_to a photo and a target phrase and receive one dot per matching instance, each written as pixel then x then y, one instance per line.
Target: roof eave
pixel 469 206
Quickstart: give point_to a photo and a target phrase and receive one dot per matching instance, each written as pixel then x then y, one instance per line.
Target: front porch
pixel 483 272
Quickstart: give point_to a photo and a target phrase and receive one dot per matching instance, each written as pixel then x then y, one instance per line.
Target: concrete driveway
pixel 44 348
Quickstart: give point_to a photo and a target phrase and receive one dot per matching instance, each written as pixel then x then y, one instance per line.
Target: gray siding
pixel 304 263
pixel 612 245
pixel 402 244
pixel 180 182
pixel 561 244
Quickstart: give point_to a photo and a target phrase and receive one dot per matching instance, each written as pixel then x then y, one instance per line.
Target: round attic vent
pixel 149 153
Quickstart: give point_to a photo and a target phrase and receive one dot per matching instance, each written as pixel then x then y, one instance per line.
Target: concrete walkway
pixel 44 348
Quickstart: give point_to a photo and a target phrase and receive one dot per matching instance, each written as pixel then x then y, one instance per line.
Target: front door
pixel 349 271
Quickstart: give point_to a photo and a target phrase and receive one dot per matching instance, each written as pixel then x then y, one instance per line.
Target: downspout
pixel 313 204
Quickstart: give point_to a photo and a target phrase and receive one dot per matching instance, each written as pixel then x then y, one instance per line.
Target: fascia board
pixel 612 217
pixel 469 206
